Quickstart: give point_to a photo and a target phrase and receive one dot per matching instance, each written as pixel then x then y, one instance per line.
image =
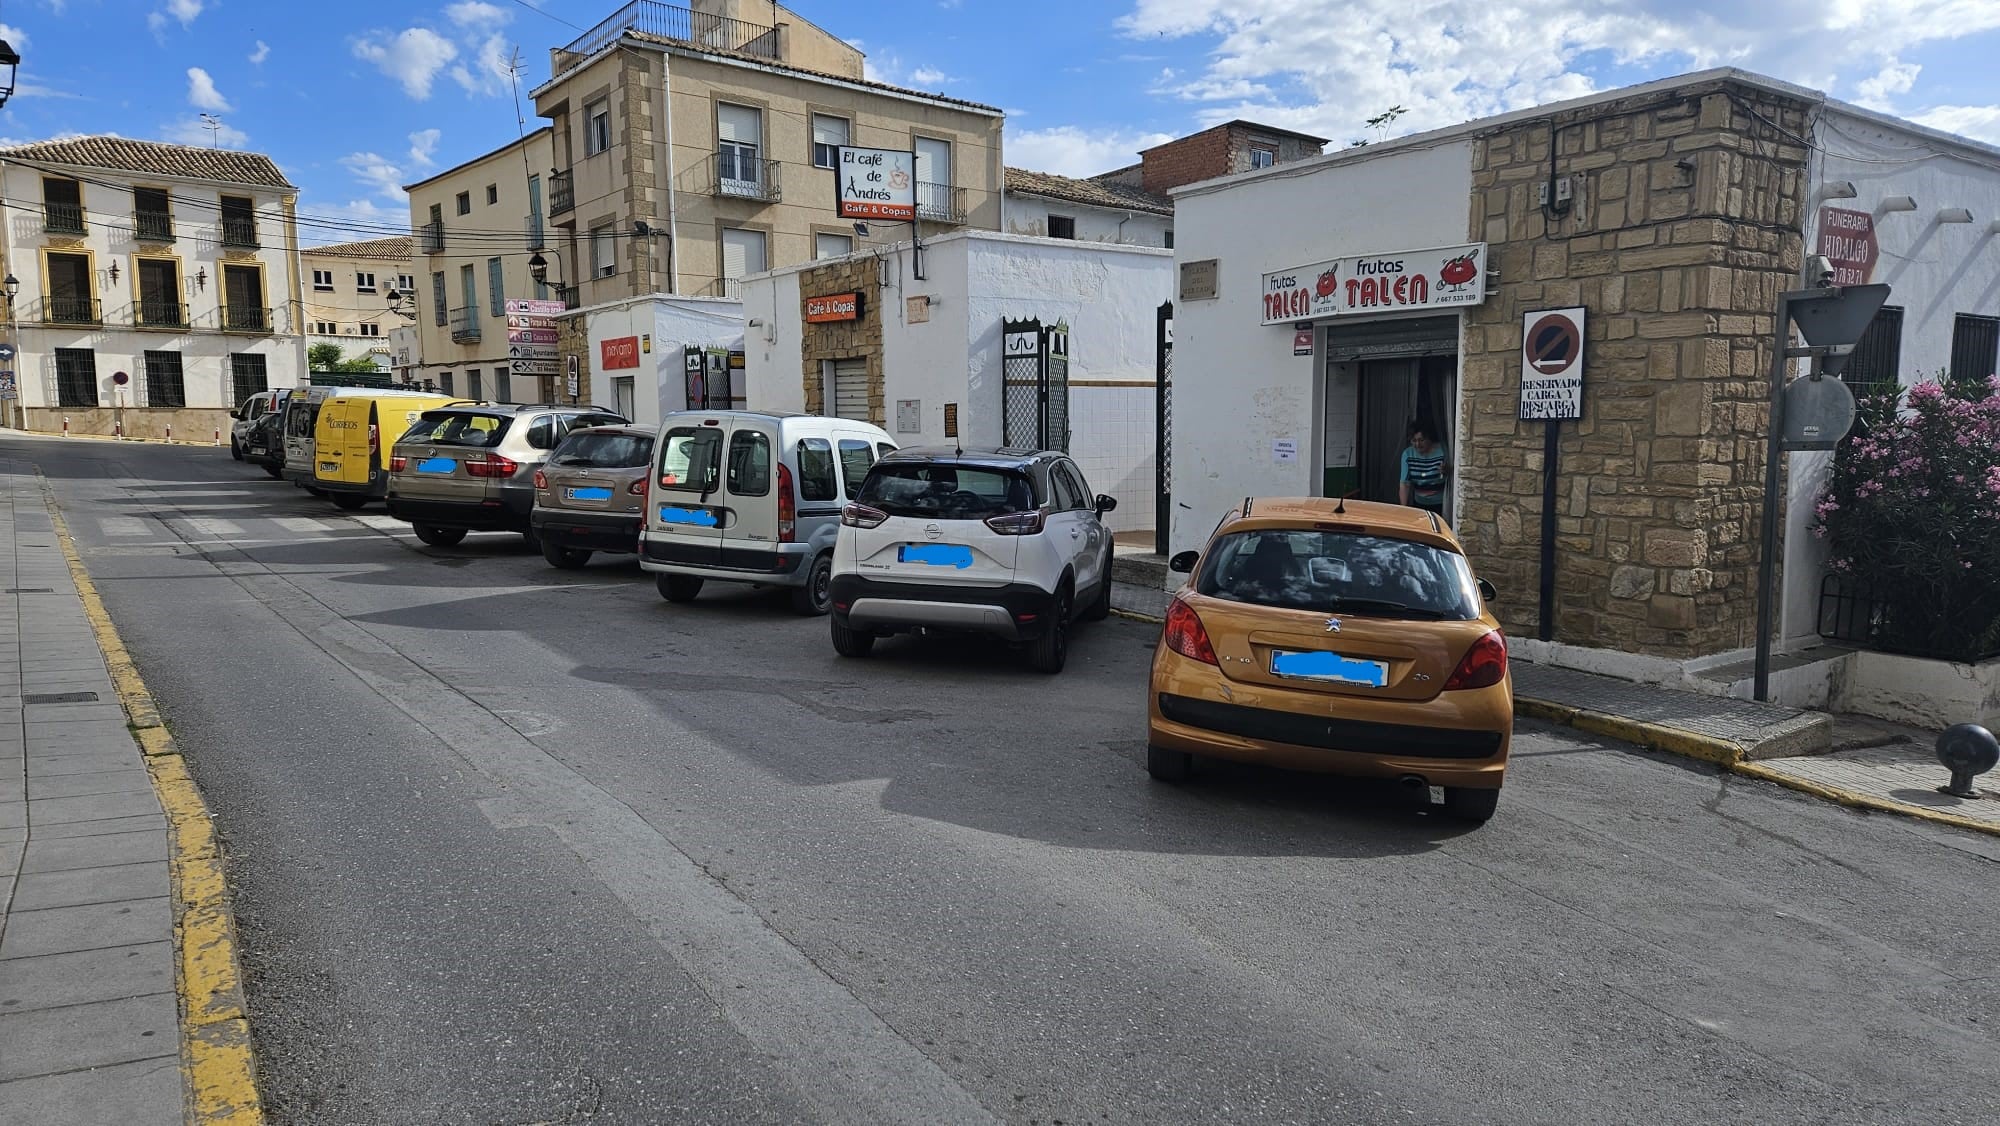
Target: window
pixel 369 328
pixel 1263 158
pixel 62 206
pixel 586 448
pixel 934 198
pixel 71 288
pixel 1070 489
pixel 164 384
pixel 749 463
pixel 855 458
pixel 829 133
pixel 325 328
pixel 1975 344
pixel 1169 244
pixel 472 388
pixel 496 288
pixel 742 255
pixel 832 246
pixel 503 386
pixel 439 313
pixel 1339 572
pixel 364 282
pixel 816 470
pixel 322 279
pixel 152 215
pixel 160 292
pixel 603 252
pixel 623 397
pixel 239 222
pixel 76 377
pixel 406 283
pixel 243 307
pixel 247 375
pixel 1877 359
pixel 947 492
pixel 492 194
pixel 1062 226
pixel 468 292
pixel 444 385
pixel 688 462
pixel 458 427
pixel 465 203
pixel 739 136
pixel 596 127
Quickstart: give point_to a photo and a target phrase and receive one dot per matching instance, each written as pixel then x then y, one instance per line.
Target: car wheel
pixel 436 536
pixel 1051 650
pixel 1100 606
pixel 565 558
pixel 812 598
pixel 235 450
pixel 274 471
pixel 679 588
pixel 851 642
pixel 1471 805
pixel 1168 766
pixel 349 502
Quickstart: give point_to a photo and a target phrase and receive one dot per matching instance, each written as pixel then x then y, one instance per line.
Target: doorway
pixel 1378 377
pixel 1395 393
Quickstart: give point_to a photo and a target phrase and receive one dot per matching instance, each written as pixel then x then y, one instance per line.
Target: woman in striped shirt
pixel 1426 468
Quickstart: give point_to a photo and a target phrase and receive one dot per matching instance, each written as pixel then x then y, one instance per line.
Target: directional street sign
pixel 531 336
pixel 531 351
pixel 535 308
pixel 6 351
pixel 550 366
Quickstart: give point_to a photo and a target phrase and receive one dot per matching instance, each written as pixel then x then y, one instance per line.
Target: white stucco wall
pixel 1935 270
pixel 1029 215
pixel 659 384
pixel 1237 386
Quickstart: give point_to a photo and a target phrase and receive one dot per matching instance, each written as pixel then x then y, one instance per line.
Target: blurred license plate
pixel 695 517
pixel 1329 667
pixel 256 449
pixel 329 467
pixel 587 492
pixel 935 554
pixel 437 465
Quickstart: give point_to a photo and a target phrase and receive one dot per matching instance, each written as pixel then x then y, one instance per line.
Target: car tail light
pixel 493 466
pixel 862 516
pixel 541 479
pixel 1185 635
pixel 398 463
pixel 788 506
pixel 374 439
pixel 1484 664
pixel 638 488
pixel 1017 524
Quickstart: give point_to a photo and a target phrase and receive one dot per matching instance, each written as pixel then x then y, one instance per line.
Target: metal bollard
pixel 218 435
pixel 170 431
pixel 1966 750
pixel 65 426
pixel 118 430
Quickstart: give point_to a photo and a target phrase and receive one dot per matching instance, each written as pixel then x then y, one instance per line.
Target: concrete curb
pixel 216 1058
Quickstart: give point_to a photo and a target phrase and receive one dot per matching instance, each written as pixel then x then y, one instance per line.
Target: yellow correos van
pixel 352 437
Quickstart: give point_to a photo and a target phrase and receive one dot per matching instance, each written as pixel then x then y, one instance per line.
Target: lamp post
pixel 402 304
pixel 12 289
pixel 538 269
pixel 9 60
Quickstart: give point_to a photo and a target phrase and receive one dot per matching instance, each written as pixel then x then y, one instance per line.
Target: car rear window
pixel 1339 573
pixel 459 428
pixel 589 449
pixel 946 492
pixel 690 457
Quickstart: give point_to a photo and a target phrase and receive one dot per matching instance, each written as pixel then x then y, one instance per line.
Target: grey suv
pixel 471 468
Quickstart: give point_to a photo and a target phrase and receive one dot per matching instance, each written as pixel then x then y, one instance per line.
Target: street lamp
pixel 12 289
pixel 9 59
pixel 538 269
pixel 402 304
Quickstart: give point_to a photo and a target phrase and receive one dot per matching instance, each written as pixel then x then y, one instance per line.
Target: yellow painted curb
pixel 216 1061
pixel 1858 800
pixel 114 438
pixel 1137 617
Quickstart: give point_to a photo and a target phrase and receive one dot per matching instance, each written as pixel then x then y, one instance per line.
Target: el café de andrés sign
pixel 1377 283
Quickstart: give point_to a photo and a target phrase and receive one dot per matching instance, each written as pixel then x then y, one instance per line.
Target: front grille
pixel 1329 734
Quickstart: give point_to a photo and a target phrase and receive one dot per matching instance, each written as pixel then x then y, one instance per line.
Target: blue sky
pixel 355 98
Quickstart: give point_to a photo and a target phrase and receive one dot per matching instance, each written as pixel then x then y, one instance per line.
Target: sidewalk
pixel 89 1013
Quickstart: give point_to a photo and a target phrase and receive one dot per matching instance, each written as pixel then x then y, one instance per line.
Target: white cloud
pixel 378 172
pixel 1878 91
pixel 929 77
pixel 350 221
pixel 413 57
pixel 13 35
pixel 889 68
pixel 487 71
pixel 262 52
pixel 1068 150
pixel 477 14
pixel 202 93
pixel 183 10
pixel 1981 123
pixel 192 131
pixel 423 143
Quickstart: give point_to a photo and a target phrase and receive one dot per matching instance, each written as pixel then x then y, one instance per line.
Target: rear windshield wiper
pixel 1384 606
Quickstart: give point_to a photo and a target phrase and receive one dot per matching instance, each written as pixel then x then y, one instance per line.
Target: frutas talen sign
pixel 1377 283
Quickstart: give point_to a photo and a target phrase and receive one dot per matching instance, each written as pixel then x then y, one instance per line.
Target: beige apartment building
pixel 477 228
pixel 348 288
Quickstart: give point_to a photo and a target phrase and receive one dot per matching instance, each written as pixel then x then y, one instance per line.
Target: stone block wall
pixel 1684 228
pixel 842 340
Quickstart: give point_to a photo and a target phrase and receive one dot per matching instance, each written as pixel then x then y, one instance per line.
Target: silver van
pixel 747 497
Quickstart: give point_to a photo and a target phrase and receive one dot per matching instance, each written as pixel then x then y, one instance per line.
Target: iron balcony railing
pixel 153 226
pixel 159 312
pixel 431 235
pixel 569 296
pixel 735 174
pixel 62 218
pixel 670 21
pixel 562 192
pixel 239 232
pixel 244 318
pixel 533 223
pixel 940 203
pixel 69 311
pixel 465 325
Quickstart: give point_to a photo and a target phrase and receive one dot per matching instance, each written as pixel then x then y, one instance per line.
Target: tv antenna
pixel 213 124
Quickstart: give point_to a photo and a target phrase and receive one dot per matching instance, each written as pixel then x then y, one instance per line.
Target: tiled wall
pixel 1113 438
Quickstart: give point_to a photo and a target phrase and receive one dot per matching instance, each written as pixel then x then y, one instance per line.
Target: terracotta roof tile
pixel 124 154
pixel 401 247
pixel 1093 193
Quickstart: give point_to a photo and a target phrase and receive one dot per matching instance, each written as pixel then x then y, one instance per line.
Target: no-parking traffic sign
pixel 1552 364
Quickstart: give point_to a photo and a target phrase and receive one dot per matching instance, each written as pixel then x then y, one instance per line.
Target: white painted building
pixel 1088 210
pixel 925 350
pixel 170 264
pixel 639 351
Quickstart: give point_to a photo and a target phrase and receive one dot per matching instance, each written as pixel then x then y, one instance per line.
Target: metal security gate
pixel 1163 461
pixel 850 389
pixel 1035 385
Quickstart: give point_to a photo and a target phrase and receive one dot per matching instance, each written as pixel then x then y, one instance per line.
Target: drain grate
pixel 31 590
pixel 61 698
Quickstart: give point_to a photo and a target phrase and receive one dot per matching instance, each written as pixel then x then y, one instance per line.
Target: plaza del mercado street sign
pixel 1377 283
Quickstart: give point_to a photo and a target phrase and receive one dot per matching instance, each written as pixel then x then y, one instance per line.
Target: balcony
pixel 569 295
pixel 159 312
pixel 562 192
pixel 62 218
pixel 533 224
pixel 69 311
pixel 940 203
pixel 431 236
pixel 153 226
pixel 465 325
pixel 239 232
pixel 735 174
pixel 668 21
pixel 244 318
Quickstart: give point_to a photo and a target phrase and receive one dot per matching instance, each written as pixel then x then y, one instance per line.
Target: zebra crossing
pixel 140 533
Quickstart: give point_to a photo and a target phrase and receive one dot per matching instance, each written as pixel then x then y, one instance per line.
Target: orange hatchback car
pixel 1341 637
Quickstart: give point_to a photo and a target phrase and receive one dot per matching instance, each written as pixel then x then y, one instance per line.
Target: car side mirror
pixel 1183 562
pixel 1105 503
pixel 1486 591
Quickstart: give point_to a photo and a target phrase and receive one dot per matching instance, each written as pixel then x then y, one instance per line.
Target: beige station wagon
pixel 591 494
pixel 471 468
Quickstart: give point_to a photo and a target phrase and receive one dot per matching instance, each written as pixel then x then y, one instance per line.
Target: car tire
pixel 274 472
pixel 436 536
pixel 678 588
pixel 235 450
pixel 1473 805
pixel 1050 651
pixel 565 558
pixel 812 599
pixel 851 642
pixel 349 502
pixel 1100 606
pixel 1168 766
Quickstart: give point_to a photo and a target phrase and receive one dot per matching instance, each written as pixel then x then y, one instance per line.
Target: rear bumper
pixel 376 488
pixel 509 512
pixel 591 531
pixel 780 565
pixel 1453 739
pixel 1015 612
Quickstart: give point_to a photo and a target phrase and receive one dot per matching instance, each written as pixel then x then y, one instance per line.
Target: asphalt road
pixel 515 845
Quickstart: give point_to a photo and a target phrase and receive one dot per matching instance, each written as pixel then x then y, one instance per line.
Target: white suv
pixel 1002 542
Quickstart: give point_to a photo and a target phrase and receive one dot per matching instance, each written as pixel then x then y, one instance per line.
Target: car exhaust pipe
pixel 1415 788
